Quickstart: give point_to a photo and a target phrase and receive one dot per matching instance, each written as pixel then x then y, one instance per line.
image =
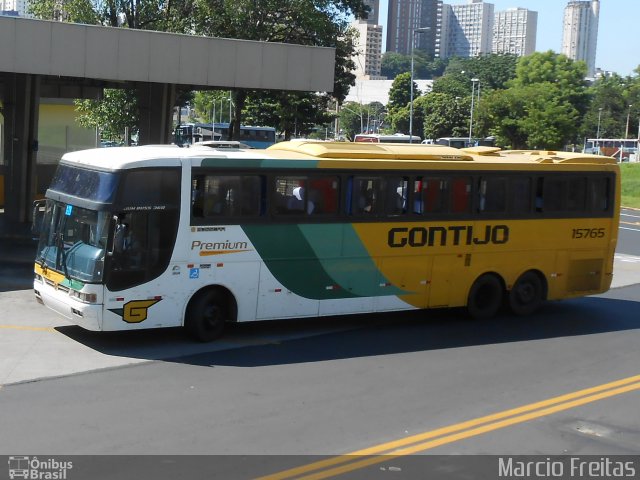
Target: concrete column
pixel 21 104
pixel 155 103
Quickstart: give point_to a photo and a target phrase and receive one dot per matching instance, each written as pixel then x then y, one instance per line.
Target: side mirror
pixel 38 217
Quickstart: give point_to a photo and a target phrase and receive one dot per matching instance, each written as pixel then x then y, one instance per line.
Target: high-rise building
pixel 467 30
pixel 514 31
pixel 374 7
pixel 405 16
pixel 368 57
pixel 19 6
pixel 580 32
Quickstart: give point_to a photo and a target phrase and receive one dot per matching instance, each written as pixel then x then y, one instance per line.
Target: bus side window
pixel 576 194
pixel 323 193
pixel 492 194
pixel 366 196
pixel 432 195
pixel 553 194
pixel 599 194
pixel 539 194
pixel 460 195
pixel 397 195
pixel 520 195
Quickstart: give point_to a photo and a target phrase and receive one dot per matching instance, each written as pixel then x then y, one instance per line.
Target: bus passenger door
pixel 448 274
pixel 403 280
pixel 283 299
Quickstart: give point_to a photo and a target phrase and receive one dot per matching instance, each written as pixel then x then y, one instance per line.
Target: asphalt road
pixel 331 386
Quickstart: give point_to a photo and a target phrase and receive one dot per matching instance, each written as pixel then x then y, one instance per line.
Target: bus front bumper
pixel 86 315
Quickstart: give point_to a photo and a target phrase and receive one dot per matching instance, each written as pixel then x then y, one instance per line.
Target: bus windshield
pixel 73 241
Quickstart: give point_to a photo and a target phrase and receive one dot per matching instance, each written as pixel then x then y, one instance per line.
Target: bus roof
pixel 325 155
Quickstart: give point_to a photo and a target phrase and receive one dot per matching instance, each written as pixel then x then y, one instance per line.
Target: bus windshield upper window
pixel 89 184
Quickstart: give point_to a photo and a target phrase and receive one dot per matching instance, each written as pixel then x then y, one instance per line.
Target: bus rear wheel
pixel 485 297
pixel 527 294
pixel 207 314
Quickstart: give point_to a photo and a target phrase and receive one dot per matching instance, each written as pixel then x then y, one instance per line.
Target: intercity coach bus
pixel 160 236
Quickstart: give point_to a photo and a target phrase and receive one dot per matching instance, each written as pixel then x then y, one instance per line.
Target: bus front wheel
pixel 527 294
pixel 485 297
pixel 206 316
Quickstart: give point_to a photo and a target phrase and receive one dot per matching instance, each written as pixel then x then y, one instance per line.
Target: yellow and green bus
pixel 160 236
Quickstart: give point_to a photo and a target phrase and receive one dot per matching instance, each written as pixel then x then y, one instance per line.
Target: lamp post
pixel 626 132
pixel 413 42
pixel 473 95
pixel 598 131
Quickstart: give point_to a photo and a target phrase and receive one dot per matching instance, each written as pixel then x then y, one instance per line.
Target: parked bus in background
pixel 620 148
pixel 255 137
pixel 462 142
pixel 380 138
pixel 161 236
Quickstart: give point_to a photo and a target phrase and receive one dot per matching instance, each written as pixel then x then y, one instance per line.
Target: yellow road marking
pixel 32 329
pixel 453 433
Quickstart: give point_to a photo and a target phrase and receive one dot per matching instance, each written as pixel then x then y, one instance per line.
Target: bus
pixel 380 138
pixel 620 148
pixel 462 142
pixel 162 236
pixel 255 137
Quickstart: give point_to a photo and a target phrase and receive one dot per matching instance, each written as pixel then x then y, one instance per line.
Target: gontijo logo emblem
pixel 218 248
pixel 135 311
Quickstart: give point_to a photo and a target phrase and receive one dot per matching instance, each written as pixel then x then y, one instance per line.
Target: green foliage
pixel 111 115
pixel 400 92
pixel 630 175
pixel 393 64
pixel 493 70
pixel 75 11
pixel 443 115
pixel 531 116
pixel 294 114
pixel 613 100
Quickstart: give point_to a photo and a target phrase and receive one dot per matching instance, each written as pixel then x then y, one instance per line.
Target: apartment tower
pixel 368 58
pixel 580 32
pixel 514 31
pixel 467 30
pixel 405 16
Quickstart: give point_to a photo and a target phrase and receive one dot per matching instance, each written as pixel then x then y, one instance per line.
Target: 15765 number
pixel 588 233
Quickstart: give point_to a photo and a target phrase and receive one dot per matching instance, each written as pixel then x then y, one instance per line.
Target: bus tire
pixel 207 314
pixel 527 294
pixel 485 297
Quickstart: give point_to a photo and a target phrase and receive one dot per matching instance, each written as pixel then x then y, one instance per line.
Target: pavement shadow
pixel 256 344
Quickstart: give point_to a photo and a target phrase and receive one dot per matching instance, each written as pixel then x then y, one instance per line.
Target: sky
pixel 617 30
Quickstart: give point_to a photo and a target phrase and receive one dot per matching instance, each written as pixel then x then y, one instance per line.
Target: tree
pixel 304 22
pixel 112 116
pixel 532 116
pixel 493 70
pixel 400 92
pixel 542 106
pixel 443 115
pixel 393 64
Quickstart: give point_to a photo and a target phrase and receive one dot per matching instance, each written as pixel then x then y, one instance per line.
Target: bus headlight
pixel 84 297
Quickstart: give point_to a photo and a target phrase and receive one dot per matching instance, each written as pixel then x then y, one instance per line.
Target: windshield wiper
pixel 62 254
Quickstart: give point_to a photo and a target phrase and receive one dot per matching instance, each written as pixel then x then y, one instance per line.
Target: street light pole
pixel 413 42
pixel 626 133
pixel 473 95
pixel 598 131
